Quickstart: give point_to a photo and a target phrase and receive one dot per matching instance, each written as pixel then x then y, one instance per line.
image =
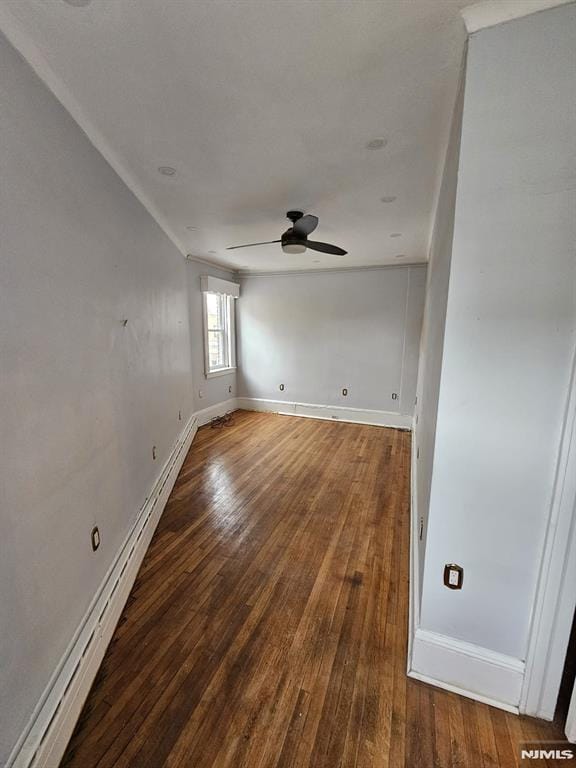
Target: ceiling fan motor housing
pixel 294 215
pixel 291 242
pixel 289 238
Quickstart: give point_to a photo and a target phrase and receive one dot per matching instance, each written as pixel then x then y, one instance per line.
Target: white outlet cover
pixel 454 577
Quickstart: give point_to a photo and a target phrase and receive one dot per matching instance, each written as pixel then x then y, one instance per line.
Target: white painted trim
pixel 414 580
pixel 211 284
pixel 489 13
pixel 232 340
pixel 44 741
pixel 461 692
pixel 205 333
pixel 470 670
pixel 327 412
pixel 221 372
pixel 555 599
pixel 570 725
pixel 219 409
pixel 245 273
pixel 221 265
pixel 28 49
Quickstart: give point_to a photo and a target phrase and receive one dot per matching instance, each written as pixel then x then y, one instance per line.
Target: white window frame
pixel 229 335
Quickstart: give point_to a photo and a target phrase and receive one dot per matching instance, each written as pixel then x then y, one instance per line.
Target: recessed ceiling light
pixel 388 198
pixel 191 228
pixel 167 170
pixel 399 255
pixel 379 143
pixel 78 3
pixel 396 234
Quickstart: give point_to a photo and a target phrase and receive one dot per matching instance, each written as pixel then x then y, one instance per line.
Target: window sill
pixel 220 372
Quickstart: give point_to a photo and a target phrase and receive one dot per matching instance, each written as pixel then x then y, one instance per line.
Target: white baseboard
pixel 219 409
pixel 44 741
pixel 329 412
pixel 467 669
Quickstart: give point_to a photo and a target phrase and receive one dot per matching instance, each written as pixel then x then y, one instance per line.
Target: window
pixel 219 341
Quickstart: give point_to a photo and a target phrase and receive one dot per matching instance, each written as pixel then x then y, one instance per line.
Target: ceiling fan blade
pixel 325 248
pixel 249 245
pixel 305 225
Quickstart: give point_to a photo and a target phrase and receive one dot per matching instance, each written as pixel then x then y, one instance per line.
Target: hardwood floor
pixel 268 624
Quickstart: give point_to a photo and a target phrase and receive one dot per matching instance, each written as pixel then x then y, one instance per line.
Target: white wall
pixel 207 392
pixel 510 331
pixel 83 397
pixel 432 341
pixel 318 333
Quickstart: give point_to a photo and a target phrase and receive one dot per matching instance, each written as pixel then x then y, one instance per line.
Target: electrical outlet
pixel 345 392
pixel 95 537
pixel 179 415
pixel 230 389
pixel 281 387
pixel 154 452
pixel 200 393
pixel 394 396
pixel 453 576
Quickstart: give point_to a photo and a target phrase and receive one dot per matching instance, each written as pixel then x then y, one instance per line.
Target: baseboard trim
pixel 327 412
pixel 462 692
pixel 469 670
pixel 44 741
pixel 212 411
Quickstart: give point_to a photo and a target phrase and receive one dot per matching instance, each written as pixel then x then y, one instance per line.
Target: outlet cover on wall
pixel 95 537
pixel 453 576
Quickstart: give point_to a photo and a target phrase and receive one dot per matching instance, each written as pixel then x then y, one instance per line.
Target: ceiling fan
pixel 295 239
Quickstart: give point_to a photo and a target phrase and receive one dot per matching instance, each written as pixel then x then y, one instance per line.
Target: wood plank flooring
pixel 268 624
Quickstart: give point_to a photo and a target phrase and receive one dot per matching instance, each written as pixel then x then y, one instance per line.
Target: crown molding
pixel 211 263
pixel 489 13
pixel 244 273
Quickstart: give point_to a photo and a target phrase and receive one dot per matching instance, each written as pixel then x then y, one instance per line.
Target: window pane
pixel 214 311
pixel 216 349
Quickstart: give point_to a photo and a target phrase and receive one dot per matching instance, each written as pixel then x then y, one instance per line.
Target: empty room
pixel 287 383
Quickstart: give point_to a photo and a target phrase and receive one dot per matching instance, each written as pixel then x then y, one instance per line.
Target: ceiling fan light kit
pixel 295 239
pixel 293 247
